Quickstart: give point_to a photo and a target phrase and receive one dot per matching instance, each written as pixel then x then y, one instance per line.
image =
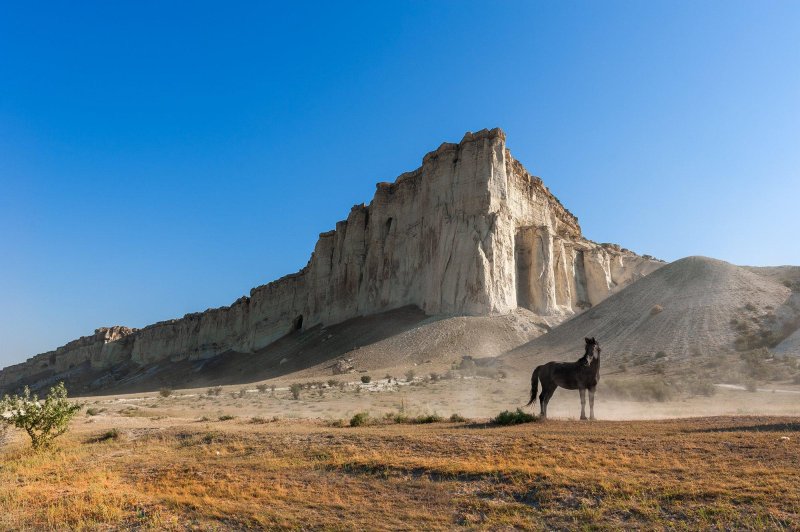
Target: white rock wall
pixel 470 232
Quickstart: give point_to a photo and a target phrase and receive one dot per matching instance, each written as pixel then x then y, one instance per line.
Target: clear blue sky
pixel 158 158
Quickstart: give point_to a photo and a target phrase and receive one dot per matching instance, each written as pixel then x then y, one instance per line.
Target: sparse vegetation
pixel 413 420
pixel 622 475
pixel 457 418
pixel 410 374
pixel 215 390
pixel 360 419
pixel 262 388
pixel 295 389
pixel 226 417
pixel 92 411
pixel 514 418
pixel 702 387
pixel 366 379
pixel 109 435
pixel 43 421
pixel 165 392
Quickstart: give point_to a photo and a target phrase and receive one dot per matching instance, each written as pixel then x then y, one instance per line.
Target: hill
pixel 692 307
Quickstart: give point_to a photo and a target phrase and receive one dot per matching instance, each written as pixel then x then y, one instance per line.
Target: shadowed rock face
pixel 470 232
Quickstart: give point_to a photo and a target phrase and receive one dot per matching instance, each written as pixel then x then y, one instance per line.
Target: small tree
pixel 42 420
pixel 295 389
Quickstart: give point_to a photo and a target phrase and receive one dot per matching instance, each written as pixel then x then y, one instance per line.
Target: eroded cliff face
pixel 470 232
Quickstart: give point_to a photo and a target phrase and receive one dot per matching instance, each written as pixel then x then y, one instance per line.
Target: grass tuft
pixel 514 418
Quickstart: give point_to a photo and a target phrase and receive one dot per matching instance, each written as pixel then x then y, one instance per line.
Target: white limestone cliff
pixel 470 232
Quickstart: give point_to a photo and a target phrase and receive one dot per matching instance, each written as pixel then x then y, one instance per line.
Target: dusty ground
pixel 473 397
pixel 261 459
pixel 725 473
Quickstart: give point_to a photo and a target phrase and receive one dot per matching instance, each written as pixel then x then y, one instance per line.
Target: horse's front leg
pixel 591 403
pixel 583 402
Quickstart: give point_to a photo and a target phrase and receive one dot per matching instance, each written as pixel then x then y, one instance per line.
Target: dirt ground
pixel 240 457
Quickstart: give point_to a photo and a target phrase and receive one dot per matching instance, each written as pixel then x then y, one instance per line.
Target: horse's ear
pixel 593 340
pixel 588 341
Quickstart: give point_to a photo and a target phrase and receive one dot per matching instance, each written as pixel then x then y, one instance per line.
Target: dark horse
pixel 582 375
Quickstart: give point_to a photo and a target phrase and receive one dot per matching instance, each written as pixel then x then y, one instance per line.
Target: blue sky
pixel 159 158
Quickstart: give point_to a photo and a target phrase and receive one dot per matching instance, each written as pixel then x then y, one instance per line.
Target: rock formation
pixel 470 232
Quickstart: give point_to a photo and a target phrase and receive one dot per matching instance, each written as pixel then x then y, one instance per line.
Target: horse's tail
pixel 534 385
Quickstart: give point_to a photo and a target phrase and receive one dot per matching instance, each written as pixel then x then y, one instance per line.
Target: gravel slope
pixel 684 308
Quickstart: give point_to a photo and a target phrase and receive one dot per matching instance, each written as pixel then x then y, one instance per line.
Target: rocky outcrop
pixel 106 347
pixel 470 232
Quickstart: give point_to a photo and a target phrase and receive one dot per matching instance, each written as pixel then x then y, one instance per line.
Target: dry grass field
pixel 193 461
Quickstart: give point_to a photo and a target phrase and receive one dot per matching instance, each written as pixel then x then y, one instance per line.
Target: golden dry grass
pixel 725 473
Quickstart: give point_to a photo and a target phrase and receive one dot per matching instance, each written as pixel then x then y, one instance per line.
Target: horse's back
pixel 570 375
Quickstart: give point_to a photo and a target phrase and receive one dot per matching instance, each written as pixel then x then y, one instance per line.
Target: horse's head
pixel 592 350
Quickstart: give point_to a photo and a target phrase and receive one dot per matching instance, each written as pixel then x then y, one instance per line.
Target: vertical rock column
pixel 598 275
pixel 536 287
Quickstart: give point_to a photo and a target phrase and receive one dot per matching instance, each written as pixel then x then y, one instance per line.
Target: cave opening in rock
pixel 297 324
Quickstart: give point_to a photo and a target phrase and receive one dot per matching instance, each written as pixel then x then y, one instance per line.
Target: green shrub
pixel 164 392
pixel 513 418
pixel 262 388
pixel 366 379
pixel 42 420
pixel 457 418
pixel 332 383
pixel 428 418
pixel 225 417
pixel 295 390
pixel 360 419
pixel 216 390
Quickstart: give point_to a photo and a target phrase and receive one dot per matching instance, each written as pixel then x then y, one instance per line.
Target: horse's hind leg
pixel 544 398
pixel 583 402
pixel 591 402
